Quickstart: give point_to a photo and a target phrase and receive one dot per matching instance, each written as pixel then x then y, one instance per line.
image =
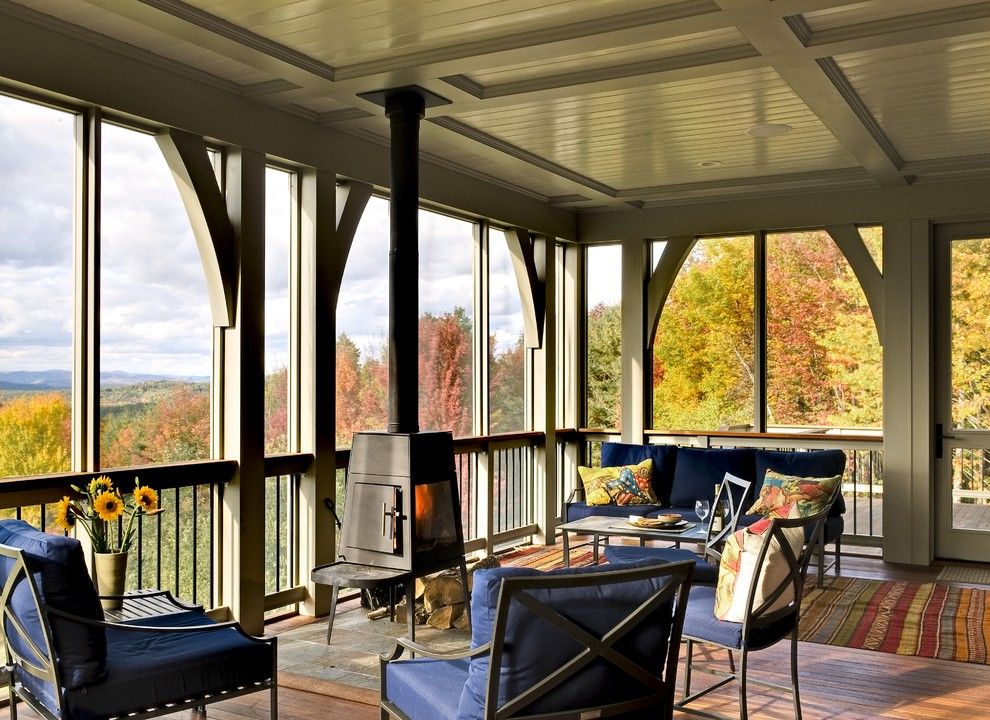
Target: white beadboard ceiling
pixel 592 104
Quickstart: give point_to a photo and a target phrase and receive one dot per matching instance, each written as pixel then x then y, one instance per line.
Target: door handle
pixel 939 437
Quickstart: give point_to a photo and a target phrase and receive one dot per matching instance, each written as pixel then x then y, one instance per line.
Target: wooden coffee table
pixel 599 526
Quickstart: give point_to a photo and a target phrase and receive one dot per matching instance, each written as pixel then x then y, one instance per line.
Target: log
pixel 442 590
pixel 461 623
pixel 443 618
pixel 400 614
pixel 378 614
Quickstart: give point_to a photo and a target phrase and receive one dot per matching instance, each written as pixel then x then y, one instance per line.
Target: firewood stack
pixel 440 599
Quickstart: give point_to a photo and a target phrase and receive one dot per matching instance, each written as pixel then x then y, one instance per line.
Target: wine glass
pixel 702 508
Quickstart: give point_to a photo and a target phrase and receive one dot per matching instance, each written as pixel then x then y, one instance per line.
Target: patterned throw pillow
pixel 737 570
pixel 623 485
pixel 779 492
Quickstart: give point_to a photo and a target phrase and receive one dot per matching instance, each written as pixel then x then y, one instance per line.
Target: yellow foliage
pixel 34 435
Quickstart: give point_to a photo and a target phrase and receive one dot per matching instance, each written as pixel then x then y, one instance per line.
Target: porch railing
pixel 174 550
pixel 178 549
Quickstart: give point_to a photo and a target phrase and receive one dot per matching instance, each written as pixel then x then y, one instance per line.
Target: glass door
pixel 962 402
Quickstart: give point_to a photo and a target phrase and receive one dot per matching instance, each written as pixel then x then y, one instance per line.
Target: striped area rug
pixel 544 557
pixel 932 620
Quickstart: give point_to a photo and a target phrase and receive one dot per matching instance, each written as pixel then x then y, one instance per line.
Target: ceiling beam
pixel 825 90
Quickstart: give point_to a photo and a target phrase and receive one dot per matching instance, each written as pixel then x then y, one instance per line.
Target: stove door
pixel 378 511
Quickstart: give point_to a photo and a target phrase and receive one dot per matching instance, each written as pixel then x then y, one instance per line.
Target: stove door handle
pixel 387 521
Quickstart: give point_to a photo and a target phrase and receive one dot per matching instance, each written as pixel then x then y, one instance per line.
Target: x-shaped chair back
pixel 539 605
pixel 734 492
pixel 797 566
pixel 32 658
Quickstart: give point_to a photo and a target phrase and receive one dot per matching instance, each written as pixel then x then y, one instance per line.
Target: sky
pixel 154 305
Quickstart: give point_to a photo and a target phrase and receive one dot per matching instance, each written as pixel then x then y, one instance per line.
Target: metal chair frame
pixel 49 670
pixel 715 540
pixel 760 617
pixel 514 591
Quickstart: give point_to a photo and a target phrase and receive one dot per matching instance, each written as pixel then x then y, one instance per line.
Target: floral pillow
pixel 780 492
pixel 621 485
pixel 737 569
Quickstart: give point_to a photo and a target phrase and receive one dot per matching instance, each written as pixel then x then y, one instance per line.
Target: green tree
pixel 604 366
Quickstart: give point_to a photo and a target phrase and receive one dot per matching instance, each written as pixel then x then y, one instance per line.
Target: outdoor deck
pixel 865 517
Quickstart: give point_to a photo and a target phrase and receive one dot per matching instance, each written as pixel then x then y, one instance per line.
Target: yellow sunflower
pixel 146 498
pixel 108 506
pixel 65 519
pixel 100 485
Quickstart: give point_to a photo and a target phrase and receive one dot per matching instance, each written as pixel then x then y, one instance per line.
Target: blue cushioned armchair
pixel 67 663
pixel 576 643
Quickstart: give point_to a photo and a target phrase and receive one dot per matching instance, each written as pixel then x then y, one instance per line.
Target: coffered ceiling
pixel 591 104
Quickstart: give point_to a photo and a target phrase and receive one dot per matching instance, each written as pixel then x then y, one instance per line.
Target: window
pixel 279 194
pixel 446 322
pixel 604 332
pixel 703 349
pixel 823 356
pixel 155 322
pixel 362 328
pixel 506 342
pixel 36 208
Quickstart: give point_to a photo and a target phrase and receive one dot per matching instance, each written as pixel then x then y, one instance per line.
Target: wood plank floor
pixel 836 683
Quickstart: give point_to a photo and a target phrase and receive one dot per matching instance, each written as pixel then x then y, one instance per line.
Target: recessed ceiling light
pixel 710 164
pixel 769 130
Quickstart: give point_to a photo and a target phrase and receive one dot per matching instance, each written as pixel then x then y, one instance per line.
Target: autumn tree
pixel 35 435
pixel 445 372
pixel 703 349
pixel 507 391
pixel 277 411
pixel 348 389
pixel 175 427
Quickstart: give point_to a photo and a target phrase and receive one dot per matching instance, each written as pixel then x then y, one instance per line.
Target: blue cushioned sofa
pixel 68 663
pixel 682 475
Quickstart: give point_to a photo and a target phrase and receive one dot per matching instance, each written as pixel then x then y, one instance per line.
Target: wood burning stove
pixel 402 515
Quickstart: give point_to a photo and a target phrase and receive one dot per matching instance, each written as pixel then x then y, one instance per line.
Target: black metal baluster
pixel 278 534
pixel 158 555
pixel 177 536
pixel 195 543
pixel 140 551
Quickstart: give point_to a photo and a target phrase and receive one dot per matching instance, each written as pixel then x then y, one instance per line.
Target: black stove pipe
pixel 404 109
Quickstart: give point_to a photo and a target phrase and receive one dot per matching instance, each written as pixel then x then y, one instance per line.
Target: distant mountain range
pixel 62 379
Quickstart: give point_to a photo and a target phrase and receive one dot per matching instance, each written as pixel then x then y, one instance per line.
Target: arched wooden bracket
pixel 850 242
pixel 352 199
pixel 189 162
pixel 662 279
pixel 529 261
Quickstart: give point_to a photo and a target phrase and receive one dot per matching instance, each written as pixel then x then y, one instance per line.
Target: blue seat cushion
pixel 699 470
pixel 426 689
pixel 704 572
pixel 664 458
pixel 700 623
pixel 56 563
pixel 809 463
pixel 146 669
pixel 581 510
pixel 532 647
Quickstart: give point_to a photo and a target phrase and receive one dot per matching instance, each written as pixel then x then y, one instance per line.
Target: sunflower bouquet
pixel 100 508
